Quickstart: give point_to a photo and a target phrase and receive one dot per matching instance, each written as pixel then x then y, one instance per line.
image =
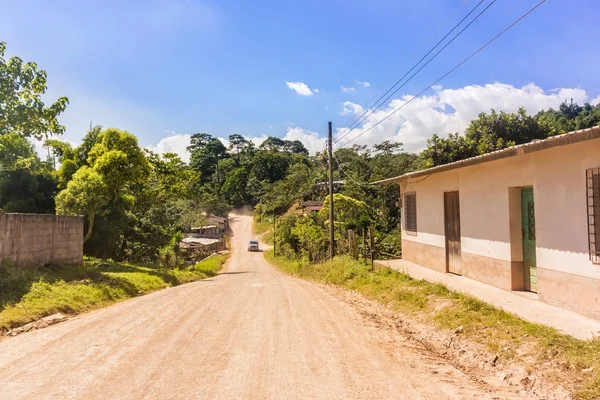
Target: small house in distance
pixel 311 206
pixel 220 222
pixel 206 231
pixel 522 218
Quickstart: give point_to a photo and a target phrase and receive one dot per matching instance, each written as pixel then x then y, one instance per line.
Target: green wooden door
pixel 528 225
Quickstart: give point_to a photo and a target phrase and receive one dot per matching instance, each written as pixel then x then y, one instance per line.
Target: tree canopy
pixel 22 111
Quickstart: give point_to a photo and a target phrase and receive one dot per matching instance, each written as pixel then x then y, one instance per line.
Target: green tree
pixel 26 183
pixel 350 212
pixel 205 153
pixel 272 143
pixel 120 161
pixel 234 188
pixel 117 164
pixel 16 152
pixel 311 237
pixel 90 139
pixel 296 147
pixel 85 194
pixel 237 142
pixel 22 111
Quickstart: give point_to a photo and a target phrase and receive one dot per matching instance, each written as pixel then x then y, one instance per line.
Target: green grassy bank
pixel 29 294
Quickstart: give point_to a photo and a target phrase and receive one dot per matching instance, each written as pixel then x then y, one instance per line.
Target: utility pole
pixel 274 235
pixel 331 228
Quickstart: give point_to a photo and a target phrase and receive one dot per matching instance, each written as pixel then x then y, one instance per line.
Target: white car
pixel 253 245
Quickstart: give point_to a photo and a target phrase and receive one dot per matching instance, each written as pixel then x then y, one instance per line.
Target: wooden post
pixel 342 244
pixel 352 248
pixel 274 235
pixel 364 249
pixel 372 242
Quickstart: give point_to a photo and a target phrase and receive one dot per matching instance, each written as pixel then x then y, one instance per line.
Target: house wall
pixel 33 240
pixel 491 223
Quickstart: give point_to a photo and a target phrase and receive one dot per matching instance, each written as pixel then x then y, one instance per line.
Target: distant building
pixel 522 218
pixel 220 222
pixel 311 206
pixel 206 231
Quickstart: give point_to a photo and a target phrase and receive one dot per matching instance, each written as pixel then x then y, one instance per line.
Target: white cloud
pixel 311 140
pixel 443 112
pixel 351 108
pixel 176 143
pixel 348 89
pixel 451 110
pixel 595 101
pixel 301 88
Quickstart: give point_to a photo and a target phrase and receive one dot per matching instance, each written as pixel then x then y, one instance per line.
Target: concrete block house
pixel 525 218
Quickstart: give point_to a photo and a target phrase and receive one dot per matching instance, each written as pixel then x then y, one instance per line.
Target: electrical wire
pixel 345 173
pixel 412 68
pixel 437 30
pixel 447 73
pixel 380 103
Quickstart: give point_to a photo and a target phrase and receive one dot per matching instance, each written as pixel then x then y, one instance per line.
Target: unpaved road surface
pixel 249 333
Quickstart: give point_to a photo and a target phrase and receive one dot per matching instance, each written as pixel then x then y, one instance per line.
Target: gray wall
pixel 33 240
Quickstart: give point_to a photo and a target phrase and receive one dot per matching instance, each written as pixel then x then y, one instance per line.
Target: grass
pixel 560 357
pixel 27 295
pixel 262 226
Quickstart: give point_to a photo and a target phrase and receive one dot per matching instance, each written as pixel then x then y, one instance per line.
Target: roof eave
pixel 531 147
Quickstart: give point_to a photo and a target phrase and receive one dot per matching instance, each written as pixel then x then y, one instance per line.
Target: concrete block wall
pixel 33 240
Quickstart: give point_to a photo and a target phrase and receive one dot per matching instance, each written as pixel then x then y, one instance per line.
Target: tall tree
pixel 237 143
pixel 22 110
pixel 85 195
pixel 272 143
pixel 205 153
pixel 117 163
pixel 120 161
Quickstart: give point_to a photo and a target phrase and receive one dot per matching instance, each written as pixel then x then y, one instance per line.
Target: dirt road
pixel 249 333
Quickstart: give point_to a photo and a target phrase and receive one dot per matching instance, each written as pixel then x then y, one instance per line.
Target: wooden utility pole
pixel 274 235
pixel 372 243
pixel 331 225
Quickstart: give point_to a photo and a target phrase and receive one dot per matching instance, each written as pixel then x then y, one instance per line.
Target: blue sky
pixel 163 69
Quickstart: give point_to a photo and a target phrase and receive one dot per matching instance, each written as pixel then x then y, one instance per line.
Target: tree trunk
pixel 91 218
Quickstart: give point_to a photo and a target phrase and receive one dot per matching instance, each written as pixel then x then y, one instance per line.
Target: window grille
pixel 410 212
pixel 593 203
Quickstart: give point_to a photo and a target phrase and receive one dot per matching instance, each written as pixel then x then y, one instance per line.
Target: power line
pixel 437 30
pixel 449 72
pixel 371 111
pixel 415 66
pixel 345 173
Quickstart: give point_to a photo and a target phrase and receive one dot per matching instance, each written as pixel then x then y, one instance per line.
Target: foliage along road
pixel 249 333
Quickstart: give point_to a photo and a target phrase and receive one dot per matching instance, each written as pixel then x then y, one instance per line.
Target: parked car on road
pixel 253 245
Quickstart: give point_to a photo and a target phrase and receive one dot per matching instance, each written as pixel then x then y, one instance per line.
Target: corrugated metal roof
pixel 195 228
pixel 312 203
pixel 201 241
pixel 518 150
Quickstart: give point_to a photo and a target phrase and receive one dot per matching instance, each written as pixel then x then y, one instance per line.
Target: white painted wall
pixel 557 176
